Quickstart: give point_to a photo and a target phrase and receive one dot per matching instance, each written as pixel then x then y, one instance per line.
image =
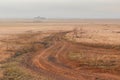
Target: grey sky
pixel 60 8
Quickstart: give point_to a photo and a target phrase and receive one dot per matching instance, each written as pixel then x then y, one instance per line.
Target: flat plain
pixel 60 49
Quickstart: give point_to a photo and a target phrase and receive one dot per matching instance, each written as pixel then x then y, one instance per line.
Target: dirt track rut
pixel 54 63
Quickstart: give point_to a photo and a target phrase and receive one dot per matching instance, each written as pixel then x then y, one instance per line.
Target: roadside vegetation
pixel 98 62
pixel 19 47
pixel 22 46
pixel 81 36
pixel 95 61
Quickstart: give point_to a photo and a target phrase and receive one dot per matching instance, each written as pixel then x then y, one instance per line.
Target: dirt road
pixel 53 61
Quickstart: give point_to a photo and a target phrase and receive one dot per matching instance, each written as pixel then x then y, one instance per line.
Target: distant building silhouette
pixel 39 19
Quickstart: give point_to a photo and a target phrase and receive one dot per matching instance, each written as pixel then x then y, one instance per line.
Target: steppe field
pixel 86 49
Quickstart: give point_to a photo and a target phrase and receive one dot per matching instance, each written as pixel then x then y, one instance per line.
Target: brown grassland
pixel 60 50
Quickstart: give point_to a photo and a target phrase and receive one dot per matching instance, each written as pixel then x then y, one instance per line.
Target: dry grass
pixel 100 62
pixel 23 38
pixel 99 36
pixel 22 44
pixel 96 34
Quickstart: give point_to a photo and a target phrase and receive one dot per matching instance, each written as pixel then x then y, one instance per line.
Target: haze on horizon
pixel 60 8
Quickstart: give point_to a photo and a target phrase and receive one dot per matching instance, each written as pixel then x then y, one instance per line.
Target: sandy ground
pixel 7 27
pixel 95 31
pixel 109 34
pixel 53 61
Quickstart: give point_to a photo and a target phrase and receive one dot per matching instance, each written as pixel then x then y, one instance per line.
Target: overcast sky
pixel 60 8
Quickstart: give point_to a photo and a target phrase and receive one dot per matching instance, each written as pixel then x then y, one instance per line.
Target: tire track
pixel 53 61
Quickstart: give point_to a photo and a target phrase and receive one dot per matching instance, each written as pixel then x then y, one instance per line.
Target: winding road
pixel 53 61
